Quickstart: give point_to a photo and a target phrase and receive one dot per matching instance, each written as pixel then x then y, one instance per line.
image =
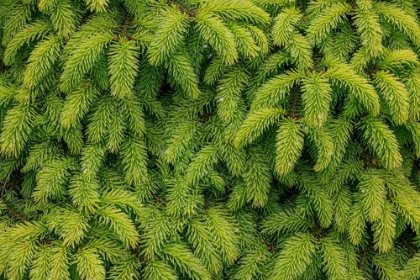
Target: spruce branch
pixel 209 139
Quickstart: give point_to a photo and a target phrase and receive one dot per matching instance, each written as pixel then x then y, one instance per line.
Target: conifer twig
pixel 3 187
pixel 182 8
pixel 294 102
pixel 16 215
pixel 362 261
pixel 408 246
pixel 160 200
pixel 317 234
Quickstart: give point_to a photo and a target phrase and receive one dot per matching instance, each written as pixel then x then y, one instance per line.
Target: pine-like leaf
pixel 23 252
pixel 84 193
pixel 127 270
pixel 357 223
pixel 158 270
pixel 214 71
pixel 64 17
pixel 78 104
pixel 241 10
pixel 414 128
pixel 412 268
pixel 116 129
pixel 342 209
pixel 133 153
pixel 122 198
pixel 359 87
pixel 152 78
pixel 89 265
pixel 182 72
pixel 180 140
pixel 340 131
pixel 156 233
pixel 183 202
pixel 73 137
pixel 230 103
pixel 256 122
pixel 200 237
pixel 320 200
pixel 285 222
pixel 201 164
pixel 182 258
pixel 276 89
pixel 325 22
pixel 413 86
pixel 99 121
pixel 251 265
pixel 385 229
pixel 403 21
pixel 123 67
pixel 41 61
pixel 219 37
pixel 235 158
pixel 284 24
pixel 83 58
pixel 258 178
pixel 386 268
pixel 52 180
pixel 222 226
pixel 334 259
pixel 120 224
pixel 92 158
pixel 16 129
pixel 259 37
pixel 316 100
pixel 41 265
pixel 395 94
pixel 370 31
pixel 238 197
pixel 383 142
pixel 28 34
pixel 97 5
pixel 131 107
pixel 244 41
pixel 73 227
pixel 398 58
pixel 325 148
pixel 373 195
pixel 297 254
pixel 289 146
pixel 60 263
pixel 284 34
pixel 168 37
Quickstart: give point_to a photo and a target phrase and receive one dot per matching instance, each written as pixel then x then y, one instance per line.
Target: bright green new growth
pixel 209 139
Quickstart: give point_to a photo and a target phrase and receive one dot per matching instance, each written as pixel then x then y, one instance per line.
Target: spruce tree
pixel 209 139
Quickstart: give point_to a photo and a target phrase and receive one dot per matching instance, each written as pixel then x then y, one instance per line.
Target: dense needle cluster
pixel 209 139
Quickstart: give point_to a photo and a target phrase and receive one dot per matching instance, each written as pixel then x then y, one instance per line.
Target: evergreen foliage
pixel 209 139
